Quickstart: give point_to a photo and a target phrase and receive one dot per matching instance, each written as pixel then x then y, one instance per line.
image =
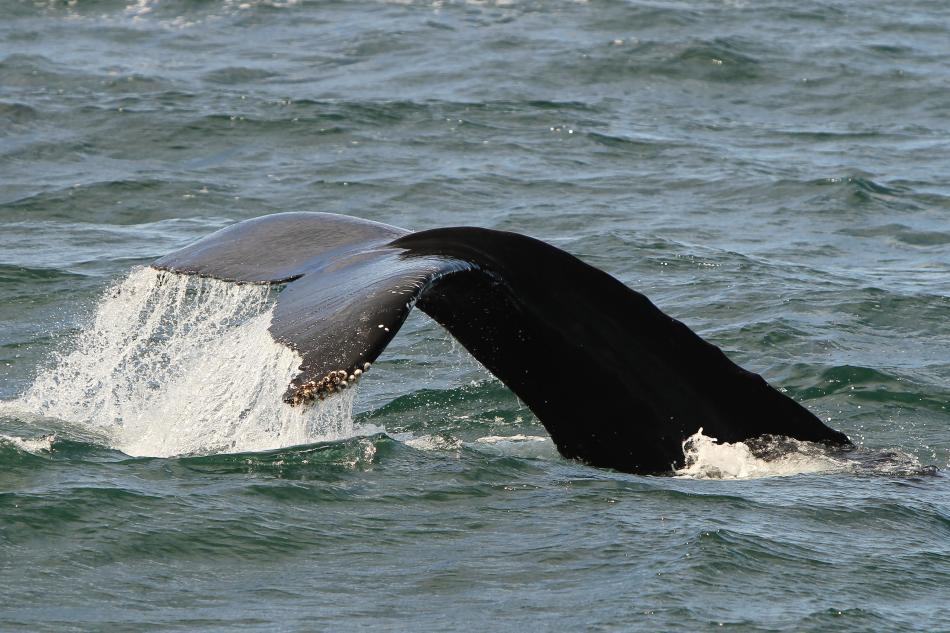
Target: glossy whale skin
pixel 615 381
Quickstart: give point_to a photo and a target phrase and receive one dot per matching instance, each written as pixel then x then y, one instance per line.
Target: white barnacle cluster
pixel 333 382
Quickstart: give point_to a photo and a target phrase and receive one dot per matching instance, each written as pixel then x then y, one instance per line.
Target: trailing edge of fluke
pixel 615 381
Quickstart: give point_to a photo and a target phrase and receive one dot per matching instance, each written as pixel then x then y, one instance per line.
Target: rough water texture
pixel 772 173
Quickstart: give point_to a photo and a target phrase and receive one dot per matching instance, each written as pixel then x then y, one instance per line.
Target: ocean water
pixel 774 174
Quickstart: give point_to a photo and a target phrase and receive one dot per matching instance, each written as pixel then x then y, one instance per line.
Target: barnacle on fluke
pixel 331 383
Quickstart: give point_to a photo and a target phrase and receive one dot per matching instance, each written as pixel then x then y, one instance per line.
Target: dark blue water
pixel 774 174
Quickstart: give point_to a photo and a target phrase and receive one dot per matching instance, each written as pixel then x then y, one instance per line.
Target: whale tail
pixel 615 381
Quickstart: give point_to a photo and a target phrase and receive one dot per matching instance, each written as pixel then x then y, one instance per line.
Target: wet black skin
pixel 615 381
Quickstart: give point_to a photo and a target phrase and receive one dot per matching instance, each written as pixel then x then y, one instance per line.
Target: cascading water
pixel 172 365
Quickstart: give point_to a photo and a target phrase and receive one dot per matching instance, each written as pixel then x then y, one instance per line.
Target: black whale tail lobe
pixel 615 381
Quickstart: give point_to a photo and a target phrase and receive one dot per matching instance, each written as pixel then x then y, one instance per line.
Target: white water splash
pixel 35 445
pixel 708 459
pixel 175 365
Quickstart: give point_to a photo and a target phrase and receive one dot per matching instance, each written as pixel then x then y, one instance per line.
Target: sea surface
pixel 775 174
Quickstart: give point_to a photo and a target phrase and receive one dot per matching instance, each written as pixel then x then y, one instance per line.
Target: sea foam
pixel 706 458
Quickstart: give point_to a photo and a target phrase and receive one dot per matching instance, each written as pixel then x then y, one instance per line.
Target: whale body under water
pixel 548 325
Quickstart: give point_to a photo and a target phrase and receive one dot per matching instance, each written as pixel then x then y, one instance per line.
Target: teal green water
pixel 774 174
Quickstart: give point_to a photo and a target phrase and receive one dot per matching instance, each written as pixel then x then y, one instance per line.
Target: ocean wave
pixel 357 452
pixel 13 115
pixel 12 274
pixel 33 445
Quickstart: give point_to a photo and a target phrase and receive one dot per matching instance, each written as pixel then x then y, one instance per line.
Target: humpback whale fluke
pixel 545 323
